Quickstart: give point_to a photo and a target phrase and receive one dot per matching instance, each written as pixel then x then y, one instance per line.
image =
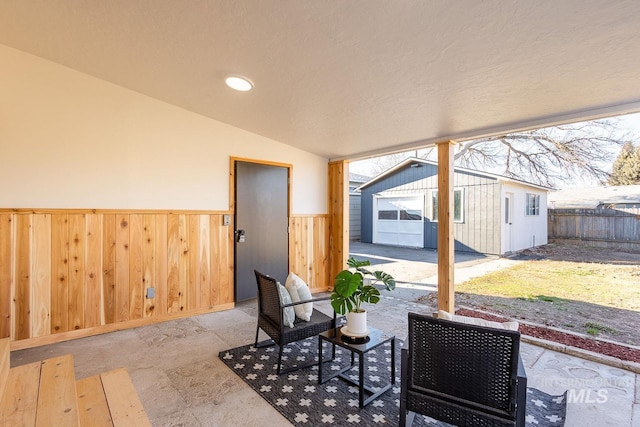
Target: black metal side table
pixel 375 339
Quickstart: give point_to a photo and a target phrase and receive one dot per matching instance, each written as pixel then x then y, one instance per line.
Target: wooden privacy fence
pixel 603 227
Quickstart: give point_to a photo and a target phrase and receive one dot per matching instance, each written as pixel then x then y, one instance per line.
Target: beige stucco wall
pixel 69 140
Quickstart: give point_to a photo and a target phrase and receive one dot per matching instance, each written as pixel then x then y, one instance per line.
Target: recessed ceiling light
pixel 240 83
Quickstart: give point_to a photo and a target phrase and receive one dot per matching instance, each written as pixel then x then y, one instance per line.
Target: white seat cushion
pixel 289 315
pixel 511 326
pixel 299 291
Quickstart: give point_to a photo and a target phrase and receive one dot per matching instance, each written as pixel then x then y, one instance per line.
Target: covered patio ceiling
pixel 351 79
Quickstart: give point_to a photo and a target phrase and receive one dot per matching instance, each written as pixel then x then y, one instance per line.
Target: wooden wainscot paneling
pixel 161 266
pixel 136 260
pixel 6 276
pixel 202 261
pixel 59 273
pixel 71 273
pixel 174 292
pixel 108 259
pixel 41 275
pixel 308 250
pixel 122 268
pixel 93 307
pixel 22 293
pixel 149 260
pixel 77 240
pixel 222 261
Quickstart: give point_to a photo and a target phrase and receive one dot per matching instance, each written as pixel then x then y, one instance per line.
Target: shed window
pixel 533 204
pixel 458 205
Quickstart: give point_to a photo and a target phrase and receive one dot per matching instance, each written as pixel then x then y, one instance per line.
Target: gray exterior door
pixel 262 222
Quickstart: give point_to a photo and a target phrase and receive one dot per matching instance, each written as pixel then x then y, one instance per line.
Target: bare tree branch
pixel 549 156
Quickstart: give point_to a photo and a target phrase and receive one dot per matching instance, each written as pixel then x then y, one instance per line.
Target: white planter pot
pixel 357 322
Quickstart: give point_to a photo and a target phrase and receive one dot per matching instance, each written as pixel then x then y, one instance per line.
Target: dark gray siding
pixel 480 229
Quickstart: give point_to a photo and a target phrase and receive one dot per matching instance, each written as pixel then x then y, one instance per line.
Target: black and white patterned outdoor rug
pixel 304 402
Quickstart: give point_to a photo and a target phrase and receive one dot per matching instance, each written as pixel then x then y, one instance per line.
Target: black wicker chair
pixel 466 375
pixel 270 320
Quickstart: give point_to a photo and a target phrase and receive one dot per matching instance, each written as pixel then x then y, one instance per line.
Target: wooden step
pixel 19 404
pixel 124 403
pixel 41 394
pixel 57 397
pixel 46 393
pixel 92 403
pixel 110 399
pixel 5 357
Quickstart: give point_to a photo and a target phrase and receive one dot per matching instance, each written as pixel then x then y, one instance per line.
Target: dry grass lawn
pixel 600 299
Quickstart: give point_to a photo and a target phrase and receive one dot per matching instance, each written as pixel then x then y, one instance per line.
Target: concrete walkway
pixel 181 382
pixel 416 270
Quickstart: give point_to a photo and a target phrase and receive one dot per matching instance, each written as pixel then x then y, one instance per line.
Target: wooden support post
pixel 338 218
pixel 446 239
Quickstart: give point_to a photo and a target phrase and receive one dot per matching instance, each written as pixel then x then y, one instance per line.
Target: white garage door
pixel 399 221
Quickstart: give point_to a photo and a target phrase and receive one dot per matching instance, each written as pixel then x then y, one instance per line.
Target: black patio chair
pixel 270 320
pixel 466 375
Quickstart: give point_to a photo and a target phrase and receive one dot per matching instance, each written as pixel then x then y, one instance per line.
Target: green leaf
pixel 364 271
pixel 370 294
pixel 347 283
pixel 354 263
pixel 340 304
pixel 387 279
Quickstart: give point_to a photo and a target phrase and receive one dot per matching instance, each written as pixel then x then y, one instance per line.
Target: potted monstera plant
pixel 353 287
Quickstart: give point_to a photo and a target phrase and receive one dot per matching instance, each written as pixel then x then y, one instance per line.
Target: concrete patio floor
pixel 181 382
